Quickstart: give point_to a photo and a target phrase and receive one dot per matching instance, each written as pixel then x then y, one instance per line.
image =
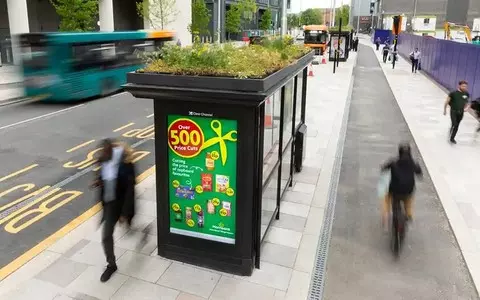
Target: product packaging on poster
pixel 202 160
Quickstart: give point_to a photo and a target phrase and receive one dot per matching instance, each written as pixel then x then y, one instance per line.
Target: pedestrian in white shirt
pixel 415 57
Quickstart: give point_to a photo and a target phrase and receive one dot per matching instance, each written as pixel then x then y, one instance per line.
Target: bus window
pixel 111 55
pixel 315 37
pixel 34 57
pixel 86 57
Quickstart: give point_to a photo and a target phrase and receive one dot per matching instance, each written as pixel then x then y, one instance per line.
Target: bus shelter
pixel 225 150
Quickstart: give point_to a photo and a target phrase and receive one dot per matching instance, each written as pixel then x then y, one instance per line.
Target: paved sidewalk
pixel 453 168
pixel 10 74
pixel 360 250
pixel 10 83
pixel 71 267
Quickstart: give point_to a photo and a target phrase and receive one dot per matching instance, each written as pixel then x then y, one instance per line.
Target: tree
pixel 343 13
pixel 266 20
pixel 200 18
pixel 76 15
pixel 233 20
pixel 293 21
pixel 312 16
pixel 159 13
pixel 248 9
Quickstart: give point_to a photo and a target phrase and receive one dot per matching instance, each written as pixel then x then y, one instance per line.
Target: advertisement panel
pixel 340 45
pixel 202 167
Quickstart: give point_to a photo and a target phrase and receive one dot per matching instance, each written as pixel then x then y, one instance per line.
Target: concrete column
pixel 146 23
pixel 18 22
pixel 218 18
pixel 283 14
pixel 183 18
pixel 105 10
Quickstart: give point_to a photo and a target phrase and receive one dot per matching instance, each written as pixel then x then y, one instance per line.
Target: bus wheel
pixel 108 87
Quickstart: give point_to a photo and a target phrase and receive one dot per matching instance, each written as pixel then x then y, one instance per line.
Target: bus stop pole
pixel 339 33
pixel 334 55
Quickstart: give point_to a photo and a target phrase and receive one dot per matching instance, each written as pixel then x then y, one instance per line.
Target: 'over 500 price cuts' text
pixel 185 138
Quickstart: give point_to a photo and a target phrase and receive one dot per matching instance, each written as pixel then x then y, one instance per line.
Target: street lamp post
pixel 350 16
pixel 414 13
pixel 333 9
pixel 283 21
pixel 358 14
pixel 219 23
pixel 372 11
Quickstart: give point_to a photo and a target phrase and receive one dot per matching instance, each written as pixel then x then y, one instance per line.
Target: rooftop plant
pixel 225 60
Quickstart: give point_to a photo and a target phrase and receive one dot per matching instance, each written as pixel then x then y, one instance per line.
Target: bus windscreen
pixel 315 37
pixel 34 58
pixel 34 51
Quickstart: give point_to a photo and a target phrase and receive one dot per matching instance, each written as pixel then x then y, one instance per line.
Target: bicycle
pixel 399 225
pixel 394 60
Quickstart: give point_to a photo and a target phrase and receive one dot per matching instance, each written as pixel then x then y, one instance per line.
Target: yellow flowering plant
pixel 226 60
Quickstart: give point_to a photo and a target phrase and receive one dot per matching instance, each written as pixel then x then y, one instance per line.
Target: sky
pixel 299 5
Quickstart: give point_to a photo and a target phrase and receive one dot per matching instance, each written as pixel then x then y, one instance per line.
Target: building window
pixel 273 2
pixel 426 21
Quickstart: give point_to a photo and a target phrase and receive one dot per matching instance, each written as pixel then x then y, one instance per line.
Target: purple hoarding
pixel 445 61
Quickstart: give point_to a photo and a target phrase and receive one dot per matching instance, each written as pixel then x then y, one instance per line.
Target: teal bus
pixel 65 67
pixel 476 40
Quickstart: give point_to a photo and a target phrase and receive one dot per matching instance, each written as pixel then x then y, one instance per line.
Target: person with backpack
pixel 116 181
pixel 378 41
pixel 403 170
pixel 475 105
pixel 459 103
pixel 415 59
pixel 386 50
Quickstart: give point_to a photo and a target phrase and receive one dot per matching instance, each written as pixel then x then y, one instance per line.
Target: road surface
pixel 47 153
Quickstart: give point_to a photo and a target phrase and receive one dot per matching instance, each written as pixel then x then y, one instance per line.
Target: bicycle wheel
pixel 396 228
pixel 394 60
pixel 395 239
pixel 402 224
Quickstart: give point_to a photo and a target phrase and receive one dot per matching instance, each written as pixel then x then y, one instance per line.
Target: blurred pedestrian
pixel 378 42
pixel 116 180
pixel 475 105
pixel 415 59
pixel 355 45
pixel 386 50
pixel 458 102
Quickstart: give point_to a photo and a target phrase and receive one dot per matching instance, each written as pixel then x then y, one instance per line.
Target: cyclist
pixel 386 49
pixel 402 181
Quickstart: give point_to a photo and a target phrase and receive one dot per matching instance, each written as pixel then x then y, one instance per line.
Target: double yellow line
pixel 26 169
pixel 43 245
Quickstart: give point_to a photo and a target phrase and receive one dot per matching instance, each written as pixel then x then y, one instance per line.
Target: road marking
pixel 80 146
pixel 20 209
pixel 42 116
pixel 30 215
pixel 145 174
pixel 123 127
pixel 18 172
pixel 147 132
pixel 43 245
pixel 149 116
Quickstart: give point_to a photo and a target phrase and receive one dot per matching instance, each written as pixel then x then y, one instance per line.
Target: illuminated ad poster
pixel 202 164
pixel 340 46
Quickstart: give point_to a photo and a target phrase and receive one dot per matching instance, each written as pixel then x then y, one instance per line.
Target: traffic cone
pixel 324 60
pixel 268 117
pixel 310 72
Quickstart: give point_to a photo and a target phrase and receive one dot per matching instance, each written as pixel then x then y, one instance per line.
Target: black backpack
pixel 475 104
